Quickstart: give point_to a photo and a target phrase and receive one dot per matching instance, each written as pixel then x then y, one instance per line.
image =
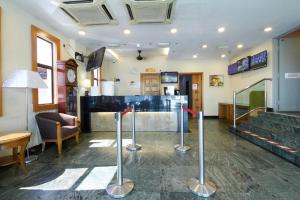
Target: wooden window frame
pixel 37 32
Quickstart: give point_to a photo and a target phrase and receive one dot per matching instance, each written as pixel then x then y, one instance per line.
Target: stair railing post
pixel 266 96
pixel 234 109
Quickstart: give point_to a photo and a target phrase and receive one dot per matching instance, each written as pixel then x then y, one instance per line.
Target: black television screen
pixel 169 77
pixel 233 69
pixel 95 59
pixel 259 60
pixel 243 64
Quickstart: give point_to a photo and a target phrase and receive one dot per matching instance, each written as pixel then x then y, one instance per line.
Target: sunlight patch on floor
pixel 125 142
pixel 98 178
pixel 101 143
pixel 108 143
pixel 63 182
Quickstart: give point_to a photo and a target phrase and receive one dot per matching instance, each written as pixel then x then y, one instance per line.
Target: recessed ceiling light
pixel 239 46
pixel 223 47
pixel 81 33
pixel 54 3
pixel 268 29
pixel 113 45
pixel 221 29
pixel 163 44
pixel 204 46
pixel 223 56
pixel 195 56
pixel 138 45
pixel 173 30
pixel 126 31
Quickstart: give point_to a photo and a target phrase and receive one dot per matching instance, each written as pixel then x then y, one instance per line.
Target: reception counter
pixel 153 113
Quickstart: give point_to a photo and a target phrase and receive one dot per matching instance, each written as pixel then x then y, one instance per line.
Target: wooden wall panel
pixel 197 93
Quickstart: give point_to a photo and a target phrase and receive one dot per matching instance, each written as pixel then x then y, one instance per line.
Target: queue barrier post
pixel 133 146
pixel 181 147
pixel 199 186
pixel 123 186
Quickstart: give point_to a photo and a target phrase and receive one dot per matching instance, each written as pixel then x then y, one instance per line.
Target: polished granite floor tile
pixel 240 170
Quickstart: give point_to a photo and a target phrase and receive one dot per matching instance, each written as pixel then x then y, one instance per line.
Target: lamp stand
pixel 29 158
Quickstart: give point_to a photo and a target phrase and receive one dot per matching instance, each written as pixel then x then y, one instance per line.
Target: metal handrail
pixel 247 113
pixel 235 118
pixel 265 79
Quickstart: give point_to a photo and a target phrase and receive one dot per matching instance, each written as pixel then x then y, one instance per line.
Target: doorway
pixel 190 84
pixel 288 73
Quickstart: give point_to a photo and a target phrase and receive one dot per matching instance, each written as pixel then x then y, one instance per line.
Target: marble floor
pixel 239 169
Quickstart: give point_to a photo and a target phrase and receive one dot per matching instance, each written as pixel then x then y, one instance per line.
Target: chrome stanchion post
pixel 181 147
pixel 234 109
pixel 133 146
pixel 123 186
pixel 199 186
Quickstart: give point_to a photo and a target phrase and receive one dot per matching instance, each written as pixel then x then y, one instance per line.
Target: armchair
pixel 57 127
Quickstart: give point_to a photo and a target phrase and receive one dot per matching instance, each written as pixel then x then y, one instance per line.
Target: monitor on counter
pixel 169 77
pixel 95 59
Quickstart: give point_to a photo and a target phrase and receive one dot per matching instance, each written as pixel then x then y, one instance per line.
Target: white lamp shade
pixel 24 79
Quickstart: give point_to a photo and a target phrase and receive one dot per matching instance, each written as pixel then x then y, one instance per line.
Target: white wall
pixel 129 69
pixel 243 80
pixel 16 54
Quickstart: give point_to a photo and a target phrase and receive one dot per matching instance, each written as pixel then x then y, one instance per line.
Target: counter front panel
pixel 153 104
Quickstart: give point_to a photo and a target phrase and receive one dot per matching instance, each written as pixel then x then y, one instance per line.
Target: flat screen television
pixel 243 64
pixel 95 59
pixel 259 60
pixel 169 77
pixel 233 69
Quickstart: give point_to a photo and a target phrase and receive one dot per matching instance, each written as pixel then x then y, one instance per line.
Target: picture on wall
pixel 216 80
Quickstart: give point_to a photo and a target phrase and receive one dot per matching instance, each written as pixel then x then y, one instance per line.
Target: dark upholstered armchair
pixel 57 127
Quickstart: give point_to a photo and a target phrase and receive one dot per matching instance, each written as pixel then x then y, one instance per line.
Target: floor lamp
pixel 28 80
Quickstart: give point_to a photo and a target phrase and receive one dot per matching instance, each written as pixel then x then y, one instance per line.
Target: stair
pixel 275 132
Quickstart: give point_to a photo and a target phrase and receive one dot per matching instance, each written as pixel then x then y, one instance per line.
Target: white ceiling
pixel 196 20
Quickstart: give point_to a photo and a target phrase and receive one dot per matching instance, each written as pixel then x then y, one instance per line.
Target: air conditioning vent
pixel 77 2
pixel 150 11
pixel 88 12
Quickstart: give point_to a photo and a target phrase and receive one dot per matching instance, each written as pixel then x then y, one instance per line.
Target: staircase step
pixel 285 138
pixel 289 153
pixel 292 120
pixel 275 125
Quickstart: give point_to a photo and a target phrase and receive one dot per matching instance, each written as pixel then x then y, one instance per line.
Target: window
pixel 96 77
pixel 45 53
pixel 45 69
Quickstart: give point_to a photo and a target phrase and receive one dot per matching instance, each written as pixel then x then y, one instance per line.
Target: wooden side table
pixel 14 141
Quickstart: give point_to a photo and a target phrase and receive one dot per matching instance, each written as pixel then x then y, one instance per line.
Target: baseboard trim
pixel 211 117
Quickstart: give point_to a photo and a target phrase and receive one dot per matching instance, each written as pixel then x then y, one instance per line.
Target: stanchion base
pixel 180 148
pixel 205 190
pixel 132 147
pixel 119 191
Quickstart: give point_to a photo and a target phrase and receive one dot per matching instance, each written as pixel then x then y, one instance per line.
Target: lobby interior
pixel 151 99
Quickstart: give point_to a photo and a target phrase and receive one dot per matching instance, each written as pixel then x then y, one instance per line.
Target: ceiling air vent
pixel 88 12
pixel 150 11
